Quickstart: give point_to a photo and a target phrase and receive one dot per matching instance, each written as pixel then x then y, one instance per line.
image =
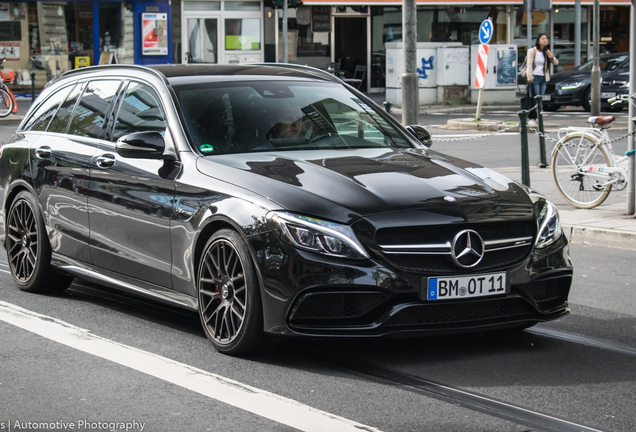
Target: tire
pixel 29 250
pixel 229 295
pixel 6 103
pixel 587 100
pixel 578 189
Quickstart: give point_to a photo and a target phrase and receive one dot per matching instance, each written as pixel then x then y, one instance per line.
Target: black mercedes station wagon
pixel 273 200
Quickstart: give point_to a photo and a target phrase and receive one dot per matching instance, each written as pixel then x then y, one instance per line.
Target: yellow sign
pixel 81 62
pixel 537 17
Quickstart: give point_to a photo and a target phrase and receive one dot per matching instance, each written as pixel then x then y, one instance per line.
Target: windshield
pixel 246 117
pixel 606 63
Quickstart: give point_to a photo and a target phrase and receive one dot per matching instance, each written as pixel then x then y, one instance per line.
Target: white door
pixel 202 40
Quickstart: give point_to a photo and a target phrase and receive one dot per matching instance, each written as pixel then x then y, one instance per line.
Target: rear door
pixel 130 200
pixel 60 166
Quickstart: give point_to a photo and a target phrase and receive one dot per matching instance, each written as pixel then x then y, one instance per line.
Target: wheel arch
pixel 14 189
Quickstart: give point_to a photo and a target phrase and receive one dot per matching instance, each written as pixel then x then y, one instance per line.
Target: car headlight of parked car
pixel 571 85
pixel 315 235
pixel 549 225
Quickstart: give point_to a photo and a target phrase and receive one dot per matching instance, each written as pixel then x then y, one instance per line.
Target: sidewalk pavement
pixel 608 222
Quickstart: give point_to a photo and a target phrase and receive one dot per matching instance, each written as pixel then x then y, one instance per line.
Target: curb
pixel 11 119
pixel 582 233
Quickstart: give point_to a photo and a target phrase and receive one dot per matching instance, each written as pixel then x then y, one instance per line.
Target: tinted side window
pixel 60 121
pixel 140 111
pixel 42 116
pixel 90 114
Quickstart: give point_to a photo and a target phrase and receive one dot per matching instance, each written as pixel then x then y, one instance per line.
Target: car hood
pixel 571 76
pixel 345 185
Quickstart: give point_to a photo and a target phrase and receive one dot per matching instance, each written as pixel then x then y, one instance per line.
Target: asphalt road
pixel 96 359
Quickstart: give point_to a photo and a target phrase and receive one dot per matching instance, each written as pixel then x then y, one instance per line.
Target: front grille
pixel 442 263
pixel 464 312
pixel 330 306
pixel 549 89
pixel 440 233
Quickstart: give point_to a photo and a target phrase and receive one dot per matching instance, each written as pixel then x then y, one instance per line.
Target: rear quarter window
pixel 41 117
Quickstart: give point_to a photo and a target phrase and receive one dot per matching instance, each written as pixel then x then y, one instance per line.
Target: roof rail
pixel 308 69
pixel 106 67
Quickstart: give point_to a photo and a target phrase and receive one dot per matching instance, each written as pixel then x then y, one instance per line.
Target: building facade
pixel 48 37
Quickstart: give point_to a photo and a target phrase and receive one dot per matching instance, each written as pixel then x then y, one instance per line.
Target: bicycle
pixel 584 166
pixel 8 103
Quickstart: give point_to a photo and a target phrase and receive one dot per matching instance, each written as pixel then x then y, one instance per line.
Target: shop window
pixel 40 119
pixel 61 120
pixel 242 34
pixel 90 114
pixel 140 111
pixel 564 30
pixel 304 46
pixel 116 31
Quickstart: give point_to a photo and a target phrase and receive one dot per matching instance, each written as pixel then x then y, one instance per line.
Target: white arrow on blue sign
pixel 485 31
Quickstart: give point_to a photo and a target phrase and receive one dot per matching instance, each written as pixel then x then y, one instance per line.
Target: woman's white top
pixel 539 63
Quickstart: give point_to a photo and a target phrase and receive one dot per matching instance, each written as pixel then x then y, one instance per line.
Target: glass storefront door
pixel 202 40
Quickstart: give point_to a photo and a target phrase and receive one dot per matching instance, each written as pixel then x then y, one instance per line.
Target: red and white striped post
pixel 480 75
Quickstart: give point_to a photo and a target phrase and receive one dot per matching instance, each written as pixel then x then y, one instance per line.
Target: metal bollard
pixel 539 100
pixel 525 159
pixel 32 87
pixel 387 106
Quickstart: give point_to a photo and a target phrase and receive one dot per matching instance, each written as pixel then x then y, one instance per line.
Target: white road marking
pixel 434 137
pixel 260 402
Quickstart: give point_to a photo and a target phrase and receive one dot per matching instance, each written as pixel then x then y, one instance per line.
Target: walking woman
pixel 539 59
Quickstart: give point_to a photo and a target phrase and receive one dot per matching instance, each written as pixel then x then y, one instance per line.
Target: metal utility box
pixel 427 70
pixel 453 66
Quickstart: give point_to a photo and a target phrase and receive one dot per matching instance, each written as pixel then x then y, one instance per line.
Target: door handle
pixel 106 160
pixel 43 152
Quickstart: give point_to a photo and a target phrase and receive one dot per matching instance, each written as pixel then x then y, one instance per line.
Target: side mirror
pixel 141 145
pixel 421 133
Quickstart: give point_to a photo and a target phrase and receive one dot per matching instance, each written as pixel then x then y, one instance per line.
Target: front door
pixel 130 200
pixel 351 45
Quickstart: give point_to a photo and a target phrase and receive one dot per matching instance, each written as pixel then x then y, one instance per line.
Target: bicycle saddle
pixel 601 121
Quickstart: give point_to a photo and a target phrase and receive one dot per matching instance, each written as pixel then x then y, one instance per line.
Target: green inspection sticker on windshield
pixel 206 148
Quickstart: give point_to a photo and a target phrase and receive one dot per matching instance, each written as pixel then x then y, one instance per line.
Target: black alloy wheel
pixel 229 295
pixel 29 251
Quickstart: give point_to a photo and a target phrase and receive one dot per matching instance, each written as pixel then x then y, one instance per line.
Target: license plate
pixel 547 97
pixel 608 95
pixel 454 287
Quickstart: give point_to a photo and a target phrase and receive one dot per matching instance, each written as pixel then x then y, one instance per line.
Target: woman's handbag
pixel 527 102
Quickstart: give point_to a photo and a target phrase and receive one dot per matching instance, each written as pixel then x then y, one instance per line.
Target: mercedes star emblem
pixel 467 249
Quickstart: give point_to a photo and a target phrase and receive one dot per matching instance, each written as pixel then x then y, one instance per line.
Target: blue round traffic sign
pixel 485 31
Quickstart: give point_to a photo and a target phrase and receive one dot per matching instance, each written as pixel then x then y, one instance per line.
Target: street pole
pixel 577 32
pixel 529 26
pixel 596 69
pixel 410 84
pixel 631 172
pixel 285 37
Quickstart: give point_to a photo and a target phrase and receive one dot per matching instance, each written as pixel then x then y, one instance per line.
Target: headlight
pixel 571 85
pixel 315 235
pixel 549 225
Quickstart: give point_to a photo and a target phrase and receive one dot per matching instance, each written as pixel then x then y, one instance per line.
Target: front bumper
pixel 312 295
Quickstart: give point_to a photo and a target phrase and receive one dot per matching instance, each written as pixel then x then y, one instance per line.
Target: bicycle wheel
pixel 576 187
pixel 6 103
